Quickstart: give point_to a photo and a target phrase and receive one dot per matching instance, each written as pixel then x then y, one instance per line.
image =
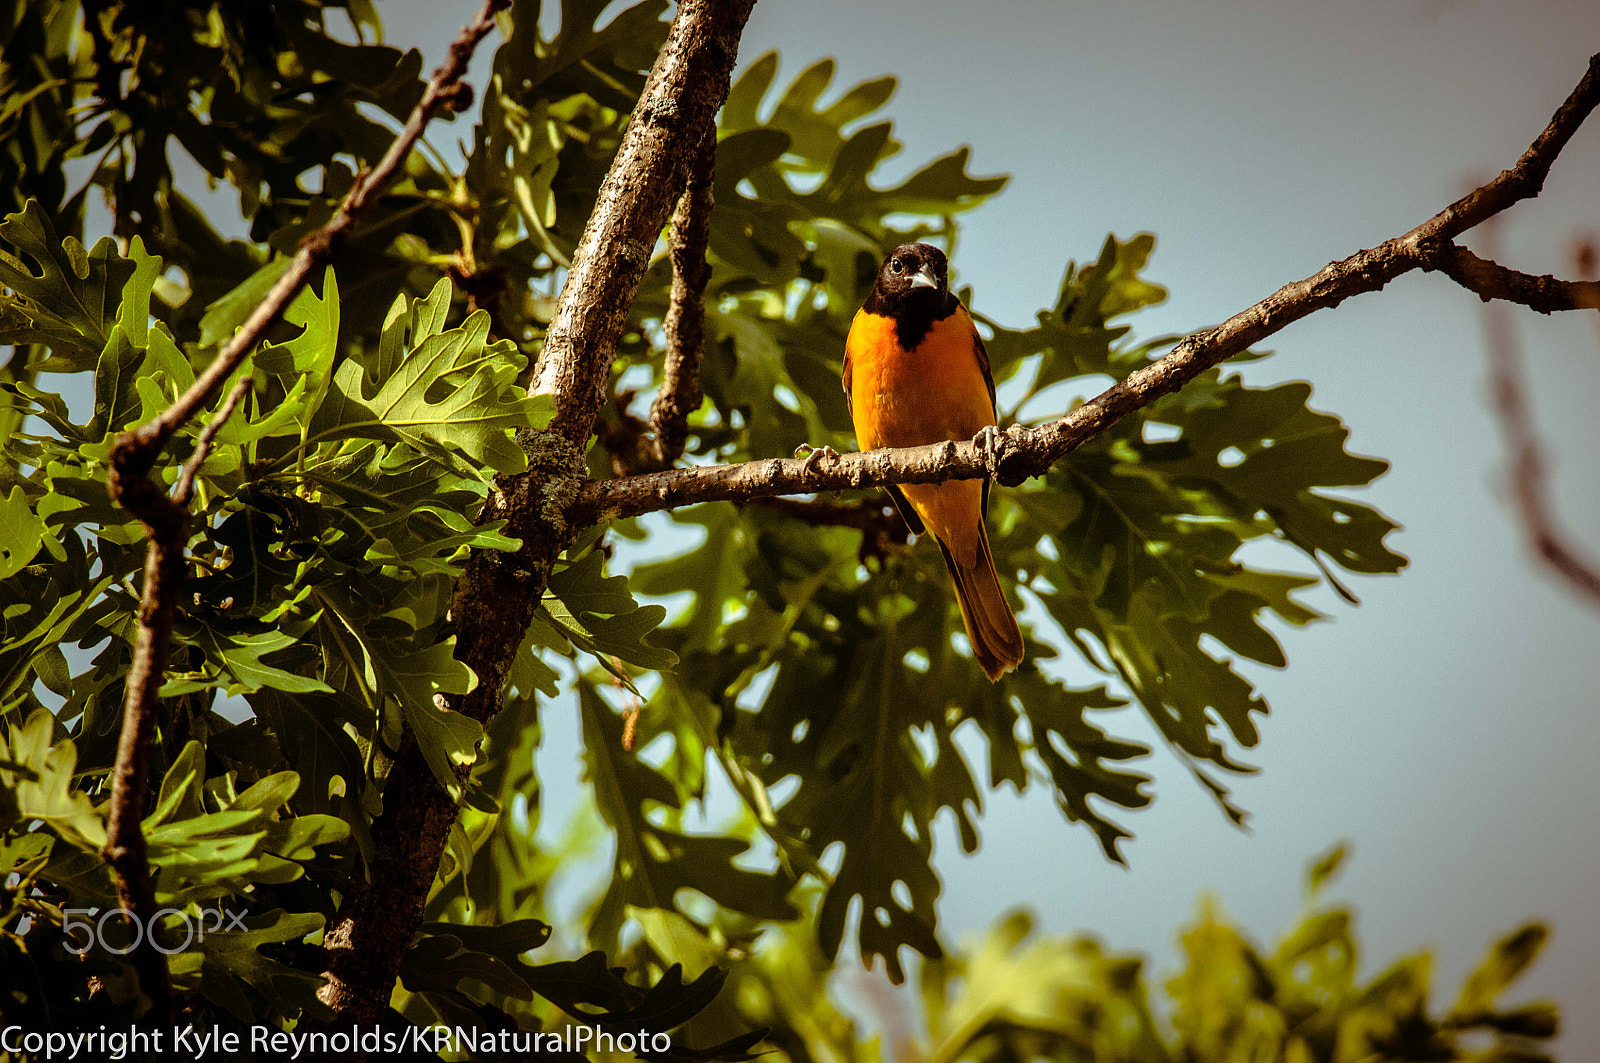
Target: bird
pixel 916 372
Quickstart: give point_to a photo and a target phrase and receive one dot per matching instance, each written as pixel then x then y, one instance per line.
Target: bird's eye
pixel 896 265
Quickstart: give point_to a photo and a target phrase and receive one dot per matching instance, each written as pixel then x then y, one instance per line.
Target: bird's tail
pixel 991 627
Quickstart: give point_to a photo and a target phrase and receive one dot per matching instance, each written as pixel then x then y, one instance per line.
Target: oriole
pixel 915 372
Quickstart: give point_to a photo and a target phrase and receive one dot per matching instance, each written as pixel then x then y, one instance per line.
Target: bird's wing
pixel 988 379
pixel 849 405
pixel 983 362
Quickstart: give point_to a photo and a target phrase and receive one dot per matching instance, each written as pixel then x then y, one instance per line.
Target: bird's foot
pixel 991 444
pixel 814 454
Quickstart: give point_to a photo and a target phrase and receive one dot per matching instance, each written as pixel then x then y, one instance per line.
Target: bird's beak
pixel 923 279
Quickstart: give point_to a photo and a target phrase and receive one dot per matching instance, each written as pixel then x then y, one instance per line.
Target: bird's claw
pixel 814 454
pixel 991 444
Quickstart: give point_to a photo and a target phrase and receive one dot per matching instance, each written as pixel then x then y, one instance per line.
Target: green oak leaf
pixel 36 775
pixel 225 962
pixel 233 662
pixel 22 532
pixel 69 305
pixel 654 862
pixel 448 739
pixel 453 393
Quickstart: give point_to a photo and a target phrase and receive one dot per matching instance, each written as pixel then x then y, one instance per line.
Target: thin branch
pixel 1023 452
pixel 166 520
pixel 496 597
pixel 318 248
pixel 167 526
pixel 185 485
pixel 1490 280
pixel 685 323
pixel 1529 480
pixel 649 173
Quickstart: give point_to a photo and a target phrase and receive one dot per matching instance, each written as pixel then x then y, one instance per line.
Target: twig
pixel 650 171
pixel 1528 472
pixel 185 485
pixel 497 595
pixel 1026 452
pixel 685 323
pixel 319 247
pixel 166 520
pixel 1490 280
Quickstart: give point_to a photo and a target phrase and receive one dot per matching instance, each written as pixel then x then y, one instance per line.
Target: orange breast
pixel 909 398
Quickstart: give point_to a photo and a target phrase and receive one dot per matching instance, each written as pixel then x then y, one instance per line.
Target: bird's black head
pixel 913 288
pixel 913 274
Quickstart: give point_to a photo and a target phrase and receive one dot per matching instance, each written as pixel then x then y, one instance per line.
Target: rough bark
pixel 685 323
pixel 498 594
pixel 1490 280
pixel 686 88
pixel 1022 452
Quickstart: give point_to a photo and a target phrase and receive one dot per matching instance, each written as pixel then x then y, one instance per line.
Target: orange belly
pixel 911 398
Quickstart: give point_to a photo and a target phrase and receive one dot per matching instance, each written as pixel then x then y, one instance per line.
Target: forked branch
pixel 648 176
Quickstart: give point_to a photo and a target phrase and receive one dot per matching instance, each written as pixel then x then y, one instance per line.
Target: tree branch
pixel 685 324
pixel 652 166
pixel 1025 452
pixel 166 520
pixel 635 445
pixel 498 594
pixel 167 527
pixel 1528 473
pixel 1490 280
pixel 185 485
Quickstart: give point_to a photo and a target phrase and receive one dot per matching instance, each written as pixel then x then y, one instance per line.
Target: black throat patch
pixel 913 312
